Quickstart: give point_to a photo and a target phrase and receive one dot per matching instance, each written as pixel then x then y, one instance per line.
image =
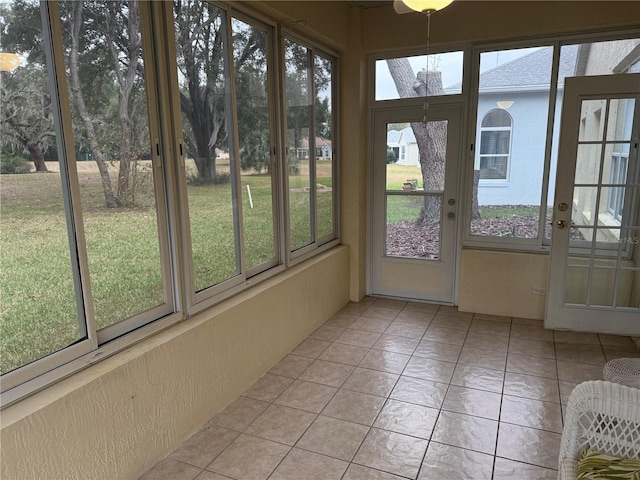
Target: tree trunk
pixel 75 19
pixel 38 158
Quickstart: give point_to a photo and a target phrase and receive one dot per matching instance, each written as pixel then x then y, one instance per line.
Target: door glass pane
pixel 584 202
pixel 300 145
pixel 511 126
pixel 591 120
pixel 104 67
pixel 620 119
pixel 38 314
pixel 405 236
pixel 588 164
pixel 209 160
pixel 324 145
pixel 254 140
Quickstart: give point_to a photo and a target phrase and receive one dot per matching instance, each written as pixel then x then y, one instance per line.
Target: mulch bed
pixel 408 239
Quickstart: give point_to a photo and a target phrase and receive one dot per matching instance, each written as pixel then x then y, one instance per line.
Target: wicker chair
pixel 601 416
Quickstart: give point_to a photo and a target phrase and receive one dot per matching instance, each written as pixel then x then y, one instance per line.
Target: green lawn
pixel 37 298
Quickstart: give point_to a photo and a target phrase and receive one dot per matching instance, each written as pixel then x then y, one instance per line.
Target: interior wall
pixel 119 417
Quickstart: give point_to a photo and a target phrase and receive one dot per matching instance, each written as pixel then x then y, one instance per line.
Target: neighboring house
pixel 323 149
pixel 404 143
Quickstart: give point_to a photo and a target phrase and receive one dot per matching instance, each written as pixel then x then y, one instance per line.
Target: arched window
pixel 495 145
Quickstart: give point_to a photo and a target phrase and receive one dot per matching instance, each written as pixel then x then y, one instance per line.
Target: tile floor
pixel 390 390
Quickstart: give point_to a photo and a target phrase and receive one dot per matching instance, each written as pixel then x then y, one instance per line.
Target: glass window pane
pixel 588 164
pixel 591 124
pixel 405 236
pixel 324 145
pixel 301 146
pixel 395 78
pixel 620 119
pixel 107 92
pixel 254 139
pixel 38 314
pixel 209 161
pixel 513 104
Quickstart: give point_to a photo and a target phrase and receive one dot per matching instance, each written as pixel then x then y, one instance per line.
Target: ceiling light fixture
pixel 427 7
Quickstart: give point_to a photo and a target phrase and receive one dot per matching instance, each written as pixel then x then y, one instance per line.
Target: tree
pixel 26 119
pixel 431 137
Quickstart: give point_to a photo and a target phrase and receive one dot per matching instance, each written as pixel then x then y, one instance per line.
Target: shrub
pixel 14 164
pixel 196 180
pixel 391 157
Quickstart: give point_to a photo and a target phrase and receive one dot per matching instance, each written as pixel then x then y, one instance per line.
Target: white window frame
pixel 495 181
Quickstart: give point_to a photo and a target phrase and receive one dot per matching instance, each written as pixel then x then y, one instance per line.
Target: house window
pixel 148 218
pixel 615 202
pixel 495 145
pixel 403 152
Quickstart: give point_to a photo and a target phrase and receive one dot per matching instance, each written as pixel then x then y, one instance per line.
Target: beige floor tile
pixel 493 328
pixel 529 445
pixel 617 342
pixel 470 401
pixel 445 335
pixel 407 418
pixel 327 333
pixel 429 369
pixel 418 318
pixel 381 312
pixel 531 413
pixel 358 338
pixel 580 354
pixel 281 424
pixel 385 361
pixel 333 437
pixel 612 354
pixel 531 332
pixel 311 348
pixel 299 464
pixel 483 358
pixel 489 341
pixel 444 462
pixel 370 324
pixel 170 468
pixel 391 452
pixel 311 397
pixel 372 382
pixel 396 343
pixel 509 470
pixel 492 318
pixel 204 445
pixel 207 475
pixel 537 366
pixel 465 431
pixel 291 366
pixel 579 338
pixel 268 387
pixel 265 456
pixel 477 377
pixel 533 348
pixel 353 308
pixel 529 386
pixel 354 407
pixel 342 353
pixel 327 373
pixel 358 472
pixel 390 303
pixel 533 322
pixel 419 391
pixel 451 321
pixel 565 390
pixel 445 352
pixel 449 310
pixel 578 372
pixel 341 321
pixel 403 329
pixel 240 413
pixel 421 307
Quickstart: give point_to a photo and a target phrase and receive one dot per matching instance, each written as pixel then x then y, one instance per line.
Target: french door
pixel 414 203
pixel 594 280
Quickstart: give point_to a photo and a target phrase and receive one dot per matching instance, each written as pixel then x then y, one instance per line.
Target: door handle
pixel 451 215
pixel 561 224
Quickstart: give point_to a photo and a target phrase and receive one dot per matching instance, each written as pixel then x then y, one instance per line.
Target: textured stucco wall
pixel 119 417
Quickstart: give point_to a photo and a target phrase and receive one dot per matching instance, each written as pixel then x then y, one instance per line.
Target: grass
pixel 37 297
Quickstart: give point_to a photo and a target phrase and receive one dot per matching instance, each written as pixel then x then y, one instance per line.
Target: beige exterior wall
pixel 119 417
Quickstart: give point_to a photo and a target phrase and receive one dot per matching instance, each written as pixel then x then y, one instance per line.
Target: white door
pixel 594 282
pixel 414 258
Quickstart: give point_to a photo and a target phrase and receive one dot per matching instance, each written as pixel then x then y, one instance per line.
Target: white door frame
pixel 561 314
pixel 406 277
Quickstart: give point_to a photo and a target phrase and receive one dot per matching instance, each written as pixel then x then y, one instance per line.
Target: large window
pixel 495 145
pixel 144 185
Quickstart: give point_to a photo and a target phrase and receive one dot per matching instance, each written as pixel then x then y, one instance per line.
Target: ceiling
pixel 368 3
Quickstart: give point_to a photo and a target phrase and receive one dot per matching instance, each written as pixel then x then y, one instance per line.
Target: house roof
pixel 320 142
pixel 529 72
pixel 393 136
